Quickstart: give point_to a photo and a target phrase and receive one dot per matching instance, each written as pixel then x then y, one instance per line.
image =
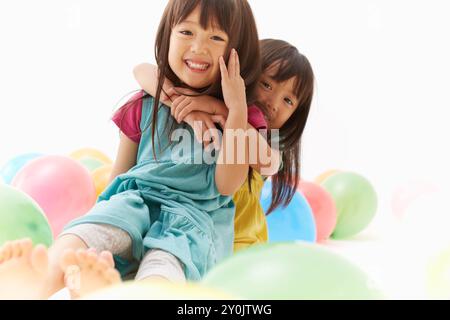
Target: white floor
pixel 398 267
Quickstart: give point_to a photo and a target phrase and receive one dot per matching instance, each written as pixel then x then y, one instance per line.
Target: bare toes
pixel 68 259
pixel 6 251
pixel 26 246
pixel 112 276
pixel 108 257
pixel 39 259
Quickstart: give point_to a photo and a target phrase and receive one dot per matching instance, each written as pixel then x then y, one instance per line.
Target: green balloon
pixel 437 279
pixel 291 271
pixel 356 203
pixel 21 217
pixel 91 164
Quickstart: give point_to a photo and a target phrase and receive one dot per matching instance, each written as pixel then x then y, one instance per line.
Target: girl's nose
pixel 198 47
pixel 272 107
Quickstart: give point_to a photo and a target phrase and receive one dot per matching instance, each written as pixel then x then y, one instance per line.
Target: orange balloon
pixel 90 153
pixel 324 176
pixel 101 178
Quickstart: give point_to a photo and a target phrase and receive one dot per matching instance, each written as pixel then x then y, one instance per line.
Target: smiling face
pixel 194 52
pixel 278 98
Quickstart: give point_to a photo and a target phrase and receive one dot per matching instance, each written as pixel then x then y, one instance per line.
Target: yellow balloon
pixel 325 176
pixel 153 290
pixel 438 276
pixel 90 153
pixel 101 178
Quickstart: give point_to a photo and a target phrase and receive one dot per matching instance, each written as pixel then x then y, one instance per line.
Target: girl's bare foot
pixel 85 271
pixel 23 270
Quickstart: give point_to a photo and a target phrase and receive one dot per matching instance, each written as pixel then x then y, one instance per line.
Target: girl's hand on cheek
pixel 233 86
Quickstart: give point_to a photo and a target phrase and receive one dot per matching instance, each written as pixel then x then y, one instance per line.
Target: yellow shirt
pixel 250 225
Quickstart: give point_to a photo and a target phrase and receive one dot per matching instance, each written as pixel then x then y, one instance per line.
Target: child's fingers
pixel 219 119
pixel 223 68
pixel 175 105
pixel 186 102
pixel 185 111
pixel 238 65
pixel 232 63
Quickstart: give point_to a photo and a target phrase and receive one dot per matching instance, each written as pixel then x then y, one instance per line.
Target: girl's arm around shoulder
pixel 126 156
pixel 262 157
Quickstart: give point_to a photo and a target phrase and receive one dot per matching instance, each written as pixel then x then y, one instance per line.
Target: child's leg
pixel 33 273
pixel 161 265
pixel 55 279
pixel 85 270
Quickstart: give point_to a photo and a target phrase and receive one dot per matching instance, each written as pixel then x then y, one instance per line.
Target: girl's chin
pixel 196 84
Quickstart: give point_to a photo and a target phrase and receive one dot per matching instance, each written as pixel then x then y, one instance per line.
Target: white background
pixel 382 74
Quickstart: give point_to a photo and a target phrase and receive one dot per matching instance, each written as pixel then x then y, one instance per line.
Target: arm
pixel 126 156
pixel 147 76
pixel 230 174
pixel 266 160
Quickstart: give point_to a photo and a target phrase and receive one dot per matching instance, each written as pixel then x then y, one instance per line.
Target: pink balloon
pixel 61 186
pixel 407 193
pixel 323 208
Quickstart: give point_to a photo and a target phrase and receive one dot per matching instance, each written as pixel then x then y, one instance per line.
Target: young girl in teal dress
pixel 165 215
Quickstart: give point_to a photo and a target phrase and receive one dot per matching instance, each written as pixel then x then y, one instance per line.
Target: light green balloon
pixel 21 217
pixel 355 200
pixel 91 164
pixel 291 271
pixel 437 278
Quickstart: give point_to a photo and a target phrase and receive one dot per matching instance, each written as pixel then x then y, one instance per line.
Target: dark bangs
pixel 213 13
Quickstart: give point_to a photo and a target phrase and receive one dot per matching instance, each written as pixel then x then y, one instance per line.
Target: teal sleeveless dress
pixel 171 203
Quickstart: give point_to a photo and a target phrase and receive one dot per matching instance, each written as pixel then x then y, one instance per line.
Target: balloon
pixel 438 280
pixel 295 222
pixel 90 153
pixel 291 271
pixel 11 168
pixel 325 176
pixel 21 217
pixel 61 186
pixel 91 163
pixel 355 200
pixel 145 290
pixel 406 194
pixel 101 178
pixel 322 206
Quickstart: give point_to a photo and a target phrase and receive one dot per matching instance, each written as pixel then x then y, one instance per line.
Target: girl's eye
pixel 289 102
pixel 266 85
pixel 186 33
pixel 217 38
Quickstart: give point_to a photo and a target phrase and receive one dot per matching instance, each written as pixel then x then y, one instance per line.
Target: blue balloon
pixel 12 167
pixel 292 223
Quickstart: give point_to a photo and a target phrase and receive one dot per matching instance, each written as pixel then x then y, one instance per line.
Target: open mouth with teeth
pixel 197 66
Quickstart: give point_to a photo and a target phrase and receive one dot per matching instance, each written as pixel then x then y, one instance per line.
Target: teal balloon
pixel 91 164
pixel 294 222
pixel 356 203
pixel 21 217
pixel 10 169
pixel 291 271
